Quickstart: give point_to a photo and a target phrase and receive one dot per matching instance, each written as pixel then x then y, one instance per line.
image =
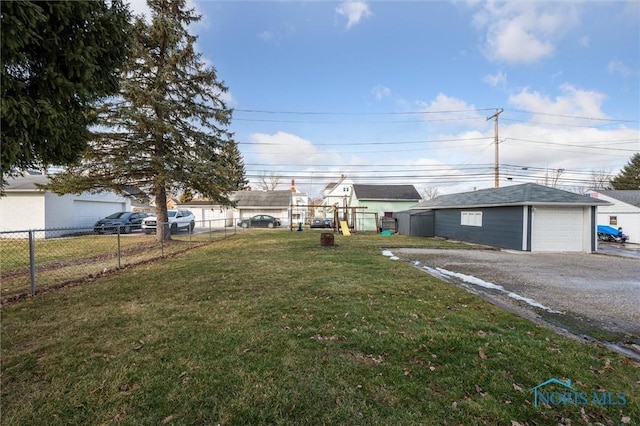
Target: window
pixel 471 219
pixel 613 220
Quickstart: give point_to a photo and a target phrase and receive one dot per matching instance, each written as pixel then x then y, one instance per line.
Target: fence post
pixel 32 262
pixel 161 241
pixel 119 264
pixel 210 236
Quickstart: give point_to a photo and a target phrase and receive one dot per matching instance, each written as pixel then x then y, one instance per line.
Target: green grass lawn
pixel 268 327
pixel 60 260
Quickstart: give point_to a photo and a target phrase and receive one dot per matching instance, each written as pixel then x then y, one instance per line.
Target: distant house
pixel 273 203
pixel 382 200
pixel 527 217
pixel 25 206
pixel 336 194
pixel 624 211
pixel 364 202
pixel 209 213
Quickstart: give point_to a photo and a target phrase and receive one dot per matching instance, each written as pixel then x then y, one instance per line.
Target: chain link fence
pixel 33 261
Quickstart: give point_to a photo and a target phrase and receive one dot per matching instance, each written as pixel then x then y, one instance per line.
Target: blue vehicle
pixel 609 233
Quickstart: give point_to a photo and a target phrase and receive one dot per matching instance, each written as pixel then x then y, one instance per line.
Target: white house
pixel 623 212
pixel 25 206
pixel 367 201
pixel 338 194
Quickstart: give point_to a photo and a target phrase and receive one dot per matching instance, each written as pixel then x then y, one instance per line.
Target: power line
pixel 582 146
pixel 575 116
pixel 361 113
pixel 343 143
pixel 392 113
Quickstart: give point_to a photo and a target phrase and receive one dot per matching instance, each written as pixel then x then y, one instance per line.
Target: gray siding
pixel 501 226
pixel 416 223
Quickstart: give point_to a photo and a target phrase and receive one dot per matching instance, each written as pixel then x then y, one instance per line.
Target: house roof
pixel 629 196
pixel 26 183
pixel 516 195
pixel 262 198
pixel 387 192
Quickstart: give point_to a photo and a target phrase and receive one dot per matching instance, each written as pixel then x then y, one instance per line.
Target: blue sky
pixel 394 92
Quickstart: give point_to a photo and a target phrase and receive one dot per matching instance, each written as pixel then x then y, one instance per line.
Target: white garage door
pixel 86 213
pixel 557 229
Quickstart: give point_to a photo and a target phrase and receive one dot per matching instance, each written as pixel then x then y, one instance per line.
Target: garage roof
pixel 629 196
pixel 262 198
pixel 517 195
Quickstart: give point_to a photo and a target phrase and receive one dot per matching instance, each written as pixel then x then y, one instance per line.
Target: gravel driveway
pixel 591 290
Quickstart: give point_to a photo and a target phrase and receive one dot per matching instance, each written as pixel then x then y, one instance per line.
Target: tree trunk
pixel 162 228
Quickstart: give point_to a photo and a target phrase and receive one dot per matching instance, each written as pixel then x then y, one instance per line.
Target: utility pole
pixel 496 162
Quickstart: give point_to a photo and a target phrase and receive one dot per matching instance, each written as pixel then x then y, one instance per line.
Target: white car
pixel 179 220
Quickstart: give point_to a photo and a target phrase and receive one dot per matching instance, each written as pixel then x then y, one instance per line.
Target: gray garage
pixel 528 217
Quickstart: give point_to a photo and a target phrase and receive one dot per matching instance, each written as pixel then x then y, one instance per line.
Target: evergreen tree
pixel 58 58
pixel 232 162
pixel 166 132
pixel 629 176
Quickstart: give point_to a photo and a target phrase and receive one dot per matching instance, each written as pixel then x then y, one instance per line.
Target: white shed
pixel 25 206
pixel 623 212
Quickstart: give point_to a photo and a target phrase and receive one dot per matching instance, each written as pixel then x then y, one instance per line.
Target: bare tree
pixel 269 181
pixel 430 192
pixel 551 177
pixel 600 179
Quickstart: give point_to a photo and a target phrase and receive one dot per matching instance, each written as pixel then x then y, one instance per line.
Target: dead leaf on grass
pixel 479 391
pixel 514 423
pixel 167 419
pixel 482 354
pixel 626 420
pixel 330 338
pixel 369 359
pixel 516 387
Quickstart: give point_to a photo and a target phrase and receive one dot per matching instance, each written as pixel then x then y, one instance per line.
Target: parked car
pixel 179 220
pixel 260 221
pixel 328 223
pixel 126 221
pixel 318 222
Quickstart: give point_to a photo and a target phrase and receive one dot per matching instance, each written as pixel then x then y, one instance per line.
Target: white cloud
pixel 449 112
pixel 228 98
pixel 618 67
pixel 140 7
pixel 380 92
pixel 286 148
pixel 584 41
pixel 267 36
pixel 524 32
pixel 495 80
pixel 573 102
pixel 354 11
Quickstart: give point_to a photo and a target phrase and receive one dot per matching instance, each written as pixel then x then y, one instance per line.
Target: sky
pixel 406 92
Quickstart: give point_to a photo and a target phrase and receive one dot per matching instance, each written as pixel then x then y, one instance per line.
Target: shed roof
pixel 629 196
pixel 387 192
pixel 262 198
pixel 516 195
